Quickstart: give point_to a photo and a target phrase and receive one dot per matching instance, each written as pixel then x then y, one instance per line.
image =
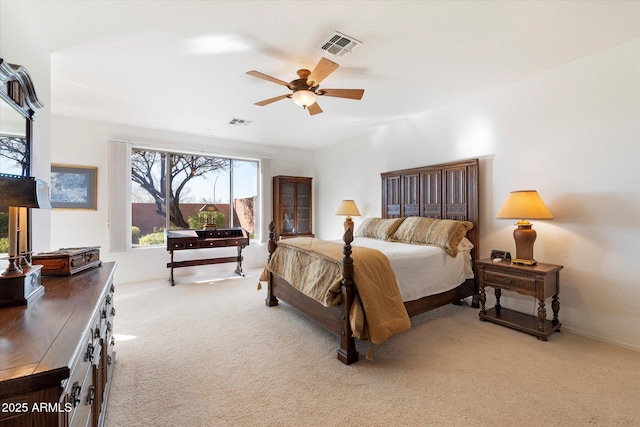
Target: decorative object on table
pixel 74 187
pixel 210 220
pixel 348 208
pixel 68 261
pixel 524 205
pixel 18 285
pixel 498 255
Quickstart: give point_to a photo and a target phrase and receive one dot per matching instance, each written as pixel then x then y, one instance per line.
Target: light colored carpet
pixel 210 353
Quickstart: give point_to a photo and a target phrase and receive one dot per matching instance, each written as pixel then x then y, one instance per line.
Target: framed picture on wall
pixel 74 187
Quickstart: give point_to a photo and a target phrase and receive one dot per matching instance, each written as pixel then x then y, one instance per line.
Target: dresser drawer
pixel 177 244
pixel 81 394
pixel 522 284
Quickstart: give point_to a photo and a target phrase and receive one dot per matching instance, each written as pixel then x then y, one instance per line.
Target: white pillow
pixel 465 245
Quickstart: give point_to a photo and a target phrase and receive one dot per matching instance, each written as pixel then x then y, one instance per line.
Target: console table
pixel 179 240
pixel 56 353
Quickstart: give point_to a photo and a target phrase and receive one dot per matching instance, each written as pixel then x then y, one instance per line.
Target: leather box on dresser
pixel 57 354
pixel 68 261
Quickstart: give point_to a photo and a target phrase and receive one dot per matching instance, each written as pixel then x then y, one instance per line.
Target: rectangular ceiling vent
pixel 239 122
pixel 340 44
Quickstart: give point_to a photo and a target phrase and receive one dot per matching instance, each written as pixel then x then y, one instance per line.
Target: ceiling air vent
pixel 239 122
pixel 340 44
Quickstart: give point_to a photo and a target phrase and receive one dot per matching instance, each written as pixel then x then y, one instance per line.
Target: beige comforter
pixel 313 266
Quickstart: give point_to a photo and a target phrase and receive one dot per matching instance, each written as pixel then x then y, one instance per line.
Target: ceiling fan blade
pixel 263 76
pixel 314 109
pixel 270 100
pixel 342 93
pixel 322 70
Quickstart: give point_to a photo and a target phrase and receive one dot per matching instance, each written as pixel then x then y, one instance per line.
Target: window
pixel 179 191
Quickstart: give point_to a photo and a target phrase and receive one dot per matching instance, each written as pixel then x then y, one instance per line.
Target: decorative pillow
pixel 411 228
pixel 444 233
pixel 447 233
pixel 378 228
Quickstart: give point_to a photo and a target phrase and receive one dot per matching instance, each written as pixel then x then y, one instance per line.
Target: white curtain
pixel 119 196
pixel 265 203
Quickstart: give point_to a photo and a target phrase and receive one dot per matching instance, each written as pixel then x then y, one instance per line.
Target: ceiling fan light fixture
pixel 304 98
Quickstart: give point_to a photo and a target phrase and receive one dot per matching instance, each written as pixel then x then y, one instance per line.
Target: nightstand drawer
pixel 526 285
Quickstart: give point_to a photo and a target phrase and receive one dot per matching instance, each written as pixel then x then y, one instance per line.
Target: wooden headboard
pixel 445 191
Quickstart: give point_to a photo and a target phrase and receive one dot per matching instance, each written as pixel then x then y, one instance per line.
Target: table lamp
pixel 18 286
pixel 348 208
pixel 20 192
pixel 524 205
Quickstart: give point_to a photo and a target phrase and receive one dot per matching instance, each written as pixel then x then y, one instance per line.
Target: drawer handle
pixel 507 281
pixel 75 393
pixel 91 394
pixel 113 341
pixel 113 311
pixel 88 355
pixel 108 299
pixel 109 327
pixel 109 360
pixel 113 288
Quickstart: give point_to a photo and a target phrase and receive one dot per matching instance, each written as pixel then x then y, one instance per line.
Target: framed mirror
pixel 15 148
pixel 18 102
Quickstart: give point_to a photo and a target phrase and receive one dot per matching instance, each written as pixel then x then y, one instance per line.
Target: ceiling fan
pixel 306 88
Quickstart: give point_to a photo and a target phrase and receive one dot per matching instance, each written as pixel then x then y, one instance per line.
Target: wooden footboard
pixel 334 318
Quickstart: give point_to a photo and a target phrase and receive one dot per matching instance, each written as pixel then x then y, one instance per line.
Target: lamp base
pixel 348 224
pixel 25 262
pixel 524 237
pixel 21 288
pixel 14 266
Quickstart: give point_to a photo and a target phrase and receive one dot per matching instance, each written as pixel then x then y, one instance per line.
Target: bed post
pixel 347 353
pixel 271 301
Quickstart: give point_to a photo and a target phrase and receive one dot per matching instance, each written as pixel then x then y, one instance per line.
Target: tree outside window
pixel 173 200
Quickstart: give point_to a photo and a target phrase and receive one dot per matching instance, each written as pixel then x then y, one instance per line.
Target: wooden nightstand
pixel 540 281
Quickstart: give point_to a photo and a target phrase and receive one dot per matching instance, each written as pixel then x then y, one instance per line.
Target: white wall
pixel 573 134
pixel 81 142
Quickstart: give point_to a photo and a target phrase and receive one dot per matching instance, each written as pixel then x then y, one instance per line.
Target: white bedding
pixel 423 270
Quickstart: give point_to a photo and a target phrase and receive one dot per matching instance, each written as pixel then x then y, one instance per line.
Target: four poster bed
pixel 429 212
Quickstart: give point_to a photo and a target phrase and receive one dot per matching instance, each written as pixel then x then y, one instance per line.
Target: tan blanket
pixel 313 266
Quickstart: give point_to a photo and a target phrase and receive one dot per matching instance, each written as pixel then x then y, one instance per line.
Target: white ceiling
pixel 180 65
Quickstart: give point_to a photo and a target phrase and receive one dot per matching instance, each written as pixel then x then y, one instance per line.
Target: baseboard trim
pixel 602 339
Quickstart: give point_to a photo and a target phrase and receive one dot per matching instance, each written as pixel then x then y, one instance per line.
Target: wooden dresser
pixel 56 354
